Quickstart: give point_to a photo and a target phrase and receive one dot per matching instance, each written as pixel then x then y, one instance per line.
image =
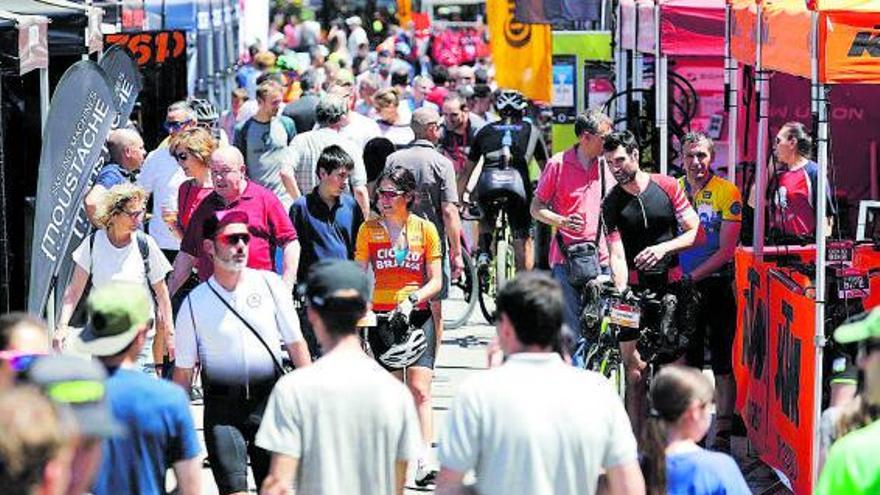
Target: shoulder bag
pixel 581 259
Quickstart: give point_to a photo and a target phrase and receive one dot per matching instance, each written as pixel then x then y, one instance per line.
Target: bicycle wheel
pixel 486 291
pixel 505 262
pixel 462 297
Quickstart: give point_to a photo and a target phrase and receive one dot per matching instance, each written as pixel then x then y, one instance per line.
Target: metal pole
pixel 44 97
pixel 661 87
pixel 732 81
pixel 762 79
pixel 821 104
pixel 620 72
pixel 637 64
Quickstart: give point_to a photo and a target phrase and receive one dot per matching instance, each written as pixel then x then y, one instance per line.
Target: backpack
pixel 80 314
pixel 241 133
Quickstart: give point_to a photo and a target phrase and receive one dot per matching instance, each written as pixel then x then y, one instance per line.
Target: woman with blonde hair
pixel 192 148
pixel 386 102
pixel 679 417
pixel 120 252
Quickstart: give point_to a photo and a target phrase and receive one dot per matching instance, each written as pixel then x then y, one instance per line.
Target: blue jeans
pixel 572 309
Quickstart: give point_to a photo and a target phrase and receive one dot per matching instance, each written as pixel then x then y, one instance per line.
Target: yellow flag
pixel 404 12
pixel 521 52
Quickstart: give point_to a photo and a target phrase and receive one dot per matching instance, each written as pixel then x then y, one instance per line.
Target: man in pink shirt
pixel 269 225
pixel 569 197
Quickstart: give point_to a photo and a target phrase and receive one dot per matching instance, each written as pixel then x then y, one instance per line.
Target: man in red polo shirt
pixel 569 197
pixel 269 225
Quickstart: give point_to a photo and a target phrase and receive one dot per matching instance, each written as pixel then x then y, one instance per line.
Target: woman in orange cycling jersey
pixel 403 250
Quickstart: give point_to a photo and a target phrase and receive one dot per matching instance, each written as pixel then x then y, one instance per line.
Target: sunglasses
pixel 234 239
pixel 19 361
pixel 390 193
pixel 174 126
pixel 182 156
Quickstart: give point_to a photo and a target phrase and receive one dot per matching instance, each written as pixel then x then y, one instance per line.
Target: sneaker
pixel 425 478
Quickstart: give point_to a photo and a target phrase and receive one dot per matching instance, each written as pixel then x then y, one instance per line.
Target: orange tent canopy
pixel 744 15
pixel 786 37
pixel 844 5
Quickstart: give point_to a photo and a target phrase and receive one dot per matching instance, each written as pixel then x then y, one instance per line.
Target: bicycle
pixel 500 265
pixel 462 291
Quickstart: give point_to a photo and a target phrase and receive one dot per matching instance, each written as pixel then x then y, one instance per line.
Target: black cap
pixel 337 280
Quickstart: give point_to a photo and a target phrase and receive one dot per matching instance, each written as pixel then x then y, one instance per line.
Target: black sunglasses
pixel 234 239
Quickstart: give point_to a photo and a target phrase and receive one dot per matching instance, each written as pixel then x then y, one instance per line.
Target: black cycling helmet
pixel 398 343
pixel 205 111
pixel 510 103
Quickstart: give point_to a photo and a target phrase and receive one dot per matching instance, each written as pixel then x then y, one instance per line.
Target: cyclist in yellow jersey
pixel 403 251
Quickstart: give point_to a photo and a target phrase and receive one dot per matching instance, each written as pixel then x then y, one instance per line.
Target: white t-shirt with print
pixel 537 425
pixel 125 264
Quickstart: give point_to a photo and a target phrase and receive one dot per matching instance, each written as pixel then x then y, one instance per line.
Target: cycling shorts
pixel 716 322
pixel 512 184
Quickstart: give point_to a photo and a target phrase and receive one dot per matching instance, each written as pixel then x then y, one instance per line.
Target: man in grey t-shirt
pixel 264 141
pixel 344 424
pixel 536 424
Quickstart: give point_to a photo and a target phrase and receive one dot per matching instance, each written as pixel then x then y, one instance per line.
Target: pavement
pixel 463 352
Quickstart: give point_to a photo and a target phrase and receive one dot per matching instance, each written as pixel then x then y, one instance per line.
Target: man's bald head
pixel 126 148
pixel 229 156
pixel 227 173
pixel 423 120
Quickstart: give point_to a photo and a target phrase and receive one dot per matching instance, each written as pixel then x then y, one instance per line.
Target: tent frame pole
pixel 762 83
pixel 821 105
pixel 661 87
pixel 731 75
pixel 620 72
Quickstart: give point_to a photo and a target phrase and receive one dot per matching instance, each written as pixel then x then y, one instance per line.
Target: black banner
pixel 557 11
pixel 81 113
pixel 125 76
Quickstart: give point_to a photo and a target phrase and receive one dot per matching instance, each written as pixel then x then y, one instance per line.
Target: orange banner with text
pixel 522 52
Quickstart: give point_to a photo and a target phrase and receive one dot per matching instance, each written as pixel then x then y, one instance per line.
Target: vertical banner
pixel 80 115
pixel 751 346
pixel 404 12
pixel 525 50
pixel 789 445
pixel 125 76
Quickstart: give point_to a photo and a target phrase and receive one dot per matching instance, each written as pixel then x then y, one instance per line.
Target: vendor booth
pixel 790 298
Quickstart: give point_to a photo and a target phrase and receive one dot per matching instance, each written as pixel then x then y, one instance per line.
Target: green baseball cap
pixel 117 311
pixel 860 327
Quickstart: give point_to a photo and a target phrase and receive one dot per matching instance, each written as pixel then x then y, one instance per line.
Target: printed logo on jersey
pixel 254 300
pixel 385 258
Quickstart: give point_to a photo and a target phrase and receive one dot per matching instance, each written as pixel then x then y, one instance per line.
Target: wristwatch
pixel 413 298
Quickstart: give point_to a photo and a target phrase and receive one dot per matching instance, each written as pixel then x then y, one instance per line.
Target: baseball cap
pixel 860 327
pixel 117 312
pixel 78 384
pixel 219 220
pixel 336 279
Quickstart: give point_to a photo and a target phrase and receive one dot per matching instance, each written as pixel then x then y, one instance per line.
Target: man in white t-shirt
pixel 161 176
pixel 344 424
pixel 233 325
pixel 535 424
pixel 356 127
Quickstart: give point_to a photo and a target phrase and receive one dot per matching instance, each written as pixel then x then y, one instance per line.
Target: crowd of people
pixel 291 272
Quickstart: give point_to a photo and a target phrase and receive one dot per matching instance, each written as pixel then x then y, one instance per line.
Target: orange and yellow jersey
pixel 398 272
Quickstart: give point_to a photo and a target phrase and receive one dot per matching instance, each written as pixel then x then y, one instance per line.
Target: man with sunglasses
pixel 161 176
pixel 22 340
pixel 127 154
pixel 233 324
pixel 853 466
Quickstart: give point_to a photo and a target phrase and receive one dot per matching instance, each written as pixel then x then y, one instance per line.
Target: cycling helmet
pixel 398 343
pixel 205 111
pixel 510 102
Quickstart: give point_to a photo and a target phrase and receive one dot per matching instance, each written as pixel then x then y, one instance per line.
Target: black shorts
pixel 231 424
pixel 517 206
pixel 427 359
pixel 716 322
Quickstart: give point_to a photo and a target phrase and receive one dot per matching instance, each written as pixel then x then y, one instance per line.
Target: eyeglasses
pixel 174 126
pixel 234 239
pixel 226 171
pixel 390 193
pixel 182 156
pixel 779 140
pixel 133 214
pixel 19 361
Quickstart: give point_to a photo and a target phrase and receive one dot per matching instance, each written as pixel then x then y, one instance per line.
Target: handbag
pixel 581 259
pixel 256 415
